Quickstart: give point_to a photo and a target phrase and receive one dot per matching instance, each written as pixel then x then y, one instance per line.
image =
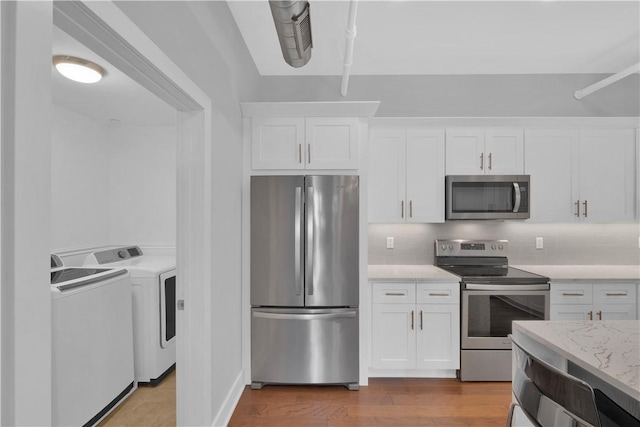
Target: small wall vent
pixel 293 26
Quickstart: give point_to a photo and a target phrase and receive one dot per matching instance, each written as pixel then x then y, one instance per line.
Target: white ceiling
pixel 454 37
pixel 115 98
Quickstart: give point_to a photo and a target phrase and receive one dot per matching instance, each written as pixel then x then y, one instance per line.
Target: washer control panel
pixel 118 254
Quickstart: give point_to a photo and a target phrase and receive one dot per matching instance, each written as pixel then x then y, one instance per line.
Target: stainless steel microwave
pixel 487 196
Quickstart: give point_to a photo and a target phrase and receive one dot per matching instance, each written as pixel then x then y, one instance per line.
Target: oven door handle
pixel 511 287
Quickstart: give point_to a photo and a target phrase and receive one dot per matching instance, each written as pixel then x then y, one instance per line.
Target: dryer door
pixel 167 308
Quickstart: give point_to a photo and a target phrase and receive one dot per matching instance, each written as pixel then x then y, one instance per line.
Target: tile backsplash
pixel 563 243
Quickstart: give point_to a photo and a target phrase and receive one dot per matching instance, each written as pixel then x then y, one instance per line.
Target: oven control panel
pixel 472 248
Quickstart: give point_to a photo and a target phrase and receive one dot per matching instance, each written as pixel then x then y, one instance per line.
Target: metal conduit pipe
pixel 350 37
pixel 579 94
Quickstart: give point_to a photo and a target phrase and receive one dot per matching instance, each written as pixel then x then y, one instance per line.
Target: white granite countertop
pixel 608 349
pixel 585 272
pixel 422 273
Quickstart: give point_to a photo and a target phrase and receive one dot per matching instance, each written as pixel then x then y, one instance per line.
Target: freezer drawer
pixel 304 346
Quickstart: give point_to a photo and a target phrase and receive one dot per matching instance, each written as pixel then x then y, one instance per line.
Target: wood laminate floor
pixel 147 407
pixel 385 402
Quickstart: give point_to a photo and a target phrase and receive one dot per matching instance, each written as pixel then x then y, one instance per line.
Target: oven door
pixel 488 310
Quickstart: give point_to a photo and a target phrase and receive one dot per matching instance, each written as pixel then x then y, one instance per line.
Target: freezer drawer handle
pixel 304 316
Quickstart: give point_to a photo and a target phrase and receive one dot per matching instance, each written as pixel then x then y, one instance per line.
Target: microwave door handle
pixel 516 204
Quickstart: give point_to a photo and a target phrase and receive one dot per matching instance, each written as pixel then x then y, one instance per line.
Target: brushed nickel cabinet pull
pixel 578 208
pixel 402 209
pixel 412 316
pixel 616 294
pixel 410 208
pixel 591 315
pixel 599 315
pixel 585 208
pixel 299 153
pixel 572 294
pixel 309 150
pixel 434 294
pixel 481 161
pixel 394 294
pixel 420 319
pixel 490 161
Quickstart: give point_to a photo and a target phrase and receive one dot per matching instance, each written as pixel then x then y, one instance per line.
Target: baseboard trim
pixel 223 416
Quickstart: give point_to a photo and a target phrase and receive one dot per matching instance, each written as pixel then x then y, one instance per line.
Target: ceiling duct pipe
pixel 293 26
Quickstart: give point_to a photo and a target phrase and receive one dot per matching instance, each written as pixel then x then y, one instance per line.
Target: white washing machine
pixel 153 284
pixel 92 342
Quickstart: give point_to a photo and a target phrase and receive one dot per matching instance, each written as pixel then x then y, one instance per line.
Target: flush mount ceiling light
pixel 78 69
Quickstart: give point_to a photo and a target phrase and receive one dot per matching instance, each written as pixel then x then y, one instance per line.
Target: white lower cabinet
pixel 415 327
pixel 579 301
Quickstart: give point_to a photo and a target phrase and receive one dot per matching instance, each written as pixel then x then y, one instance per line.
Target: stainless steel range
pixel 492 296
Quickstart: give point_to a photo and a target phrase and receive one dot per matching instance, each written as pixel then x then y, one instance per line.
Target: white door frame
pixel 106 30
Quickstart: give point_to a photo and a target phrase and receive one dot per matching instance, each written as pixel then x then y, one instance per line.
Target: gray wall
pixel 563 243
pixel 201 37
pixel 467 95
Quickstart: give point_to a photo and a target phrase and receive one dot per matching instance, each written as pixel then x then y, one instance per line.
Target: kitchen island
pixel 605 354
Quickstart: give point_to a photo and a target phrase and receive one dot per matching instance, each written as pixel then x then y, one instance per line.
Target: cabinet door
pixel 607 175
pixel 549 160
pixel 465 152
pixel 386 175
pixel 393 336
pixel 332 143
pixel 438 337
pixel 504 152
pixel 614 312
pixel 571 312
pixel 277 143
pixel 425 176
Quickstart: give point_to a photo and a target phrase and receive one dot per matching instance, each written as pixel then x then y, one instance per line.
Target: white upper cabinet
pixel 585 175
pixel 498 151
pixel 304 143
pixel 277 143
pixel 607 175
pixel 550 162
pixel 406 175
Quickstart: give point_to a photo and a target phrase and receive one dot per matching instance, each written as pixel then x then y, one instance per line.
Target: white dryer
pixel 153 281
pixel 92 342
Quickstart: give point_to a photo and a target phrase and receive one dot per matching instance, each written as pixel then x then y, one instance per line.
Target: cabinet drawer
pixel 571 293
pixel 438 293
pixel 614 294
pixel 394 293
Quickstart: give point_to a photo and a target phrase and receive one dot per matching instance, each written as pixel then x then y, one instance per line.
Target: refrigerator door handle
pixel 305 316
pixel 297 239
pixel 310 230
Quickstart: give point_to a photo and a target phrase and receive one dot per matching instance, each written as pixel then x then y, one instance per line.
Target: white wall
pixel 142 184
pixel 80 187
pixel 111 184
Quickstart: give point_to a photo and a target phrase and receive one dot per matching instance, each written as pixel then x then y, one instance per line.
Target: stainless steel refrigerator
pixel 304 280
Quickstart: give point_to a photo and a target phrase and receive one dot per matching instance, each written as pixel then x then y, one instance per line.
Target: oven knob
pixel 450 247
pixel 444 247
pixel 493 247
pixel 122 254
pixel 500 247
